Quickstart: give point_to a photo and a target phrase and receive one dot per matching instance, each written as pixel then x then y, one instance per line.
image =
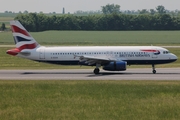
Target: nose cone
pixel 174 57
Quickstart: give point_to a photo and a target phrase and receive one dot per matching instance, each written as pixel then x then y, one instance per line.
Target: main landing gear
pixel 153 67
pixel 96 70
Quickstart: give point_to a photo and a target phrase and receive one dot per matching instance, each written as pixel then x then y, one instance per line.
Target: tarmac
pixel 87 74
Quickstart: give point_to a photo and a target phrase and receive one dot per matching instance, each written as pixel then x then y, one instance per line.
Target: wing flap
pixel 90 60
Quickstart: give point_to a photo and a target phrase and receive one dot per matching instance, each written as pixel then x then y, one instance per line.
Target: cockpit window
pixel 165 52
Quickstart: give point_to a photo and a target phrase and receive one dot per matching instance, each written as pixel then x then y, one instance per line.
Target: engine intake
pixel 115 66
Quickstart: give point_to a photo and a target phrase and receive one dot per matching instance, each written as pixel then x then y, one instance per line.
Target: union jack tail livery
pixel 22 38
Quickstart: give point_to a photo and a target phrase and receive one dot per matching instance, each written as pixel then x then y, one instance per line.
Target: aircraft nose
pixel 174 57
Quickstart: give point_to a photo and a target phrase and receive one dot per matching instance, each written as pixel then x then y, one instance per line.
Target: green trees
pixel 3 27
pixel 143 11
pixel 111 8
pixel 152 11
pixel 42 22
pixel 161 9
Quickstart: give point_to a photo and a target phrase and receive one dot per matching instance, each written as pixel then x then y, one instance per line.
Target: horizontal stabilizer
pixel 13 52
pixel 16 51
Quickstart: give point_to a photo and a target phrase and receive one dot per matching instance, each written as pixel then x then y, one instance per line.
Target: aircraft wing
pixel 90 60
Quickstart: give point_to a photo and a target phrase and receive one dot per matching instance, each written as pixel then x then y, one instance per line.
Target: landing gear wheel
pixel 153 67
pixel 96 71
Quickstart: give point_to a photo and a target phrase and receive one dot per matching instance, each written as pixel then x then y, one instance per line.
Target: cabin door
pixel 42 53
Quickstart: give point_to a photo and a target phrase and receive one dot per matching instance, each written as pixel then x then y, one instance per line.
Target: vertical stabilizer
pixel 22 38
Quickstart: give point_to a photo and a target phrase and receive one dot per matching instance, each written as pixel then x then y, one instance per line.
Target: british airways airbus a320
pixel 111 58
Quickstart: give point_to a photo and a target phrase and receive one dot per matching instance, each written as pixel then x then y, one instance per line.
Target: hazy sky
pixel 71 6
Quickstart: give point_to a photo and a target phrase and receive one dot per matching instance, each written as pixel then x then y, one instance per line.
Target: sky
pixel 47 6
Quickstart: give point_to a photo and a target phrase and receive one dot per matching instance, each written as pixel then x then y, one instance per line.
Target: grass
pixel 103 100
pixel 100 38
pixel 5 20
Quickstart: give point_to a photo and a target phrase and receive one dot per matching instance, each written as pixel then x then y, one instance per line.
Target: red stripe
pixel 28 46
pixel 149 50
pixel 16 29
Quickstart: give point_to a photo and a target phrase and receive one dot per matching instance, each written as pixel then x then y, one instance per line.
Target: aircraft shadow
pixel 90 74
pixel 128 73
pixel 26 73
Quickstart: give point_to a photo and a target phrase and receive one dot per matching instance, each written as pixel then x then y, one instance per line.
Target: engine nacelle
pixel 115 66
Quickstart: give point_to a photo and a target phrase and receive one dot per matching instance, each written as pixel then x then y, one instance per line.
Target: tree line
pixel 40 22
pixel 107 9
pixel 2 27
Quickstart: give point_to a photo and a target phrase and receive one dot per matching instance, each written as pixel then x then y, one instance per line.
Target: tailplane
pixel 22 38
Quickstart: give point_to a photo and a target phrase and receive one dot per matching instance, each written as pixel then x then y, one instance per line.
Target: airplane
pixel 110 58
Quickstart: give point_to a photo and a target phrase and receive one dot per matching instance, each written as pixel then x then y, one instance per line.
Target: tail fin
pixel 22 38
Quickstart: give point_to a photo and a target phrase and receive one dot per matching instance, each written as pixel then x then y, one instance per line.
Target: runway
pixel 87 74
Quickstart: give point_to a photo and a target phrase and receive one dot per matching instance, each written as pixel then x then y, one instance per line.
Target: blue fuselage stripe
pixel 129 62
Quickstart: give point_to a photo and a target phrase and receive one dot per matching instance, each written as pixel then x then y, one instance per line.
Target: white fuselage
pixel 130 54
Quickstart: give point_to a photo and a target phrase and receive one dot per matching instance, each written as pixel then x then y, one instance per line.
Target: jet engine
pixel 115 66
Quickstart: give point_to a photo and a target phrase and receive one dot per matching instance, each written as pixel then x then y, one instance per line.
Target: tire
pixel 96 71
pixel 154 71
